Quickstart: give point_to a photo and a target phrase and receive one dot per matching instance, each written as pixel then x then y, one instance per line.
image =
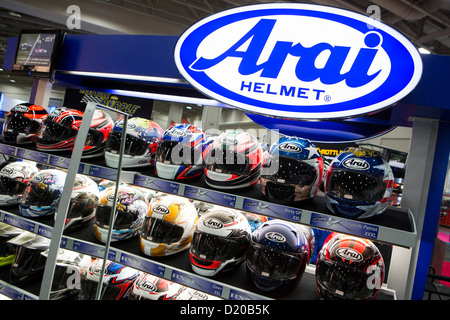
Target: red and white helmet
pixel 150 287
pixel 99 130
pixel 220 241
pixel 233 160
pixel 59 130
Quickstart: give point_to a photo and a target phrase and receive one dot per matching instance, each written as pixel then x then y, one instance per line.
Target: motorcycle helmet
pixel 233 160
pixel 292 170
pixel 22 123
pixel 193 294
pixel 142 138
pixel 168 226
pixel 68 268
pixel 43 193
pixel 255 220
pixel 117 281
pixel 349 267
pixel 13 181
pixel 83 202
pixel 277 256
pixel 99 130
pixel 131 207
pixel 28 264
pixel 7 250
pixel 150 287
pixel 180 153
pixel 358 184
pixel 59 130
pixel 220 240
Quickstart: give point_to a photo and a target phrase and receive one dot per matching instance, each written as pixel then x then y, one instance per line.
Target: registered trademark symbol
pixel 327 98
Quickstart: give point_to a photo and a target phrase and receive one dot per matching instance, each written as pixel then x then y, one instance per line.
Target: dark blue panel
pixel 433 88
pixel 8 60
pixel 143 55
pixel 351 130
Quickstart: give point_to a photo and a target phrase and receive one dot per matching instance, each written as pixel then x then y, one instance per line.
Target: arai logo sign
pixel 298 60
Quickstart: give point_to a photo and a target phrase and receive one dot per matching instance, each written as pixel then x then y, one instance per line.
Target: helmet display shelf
pixel 395 227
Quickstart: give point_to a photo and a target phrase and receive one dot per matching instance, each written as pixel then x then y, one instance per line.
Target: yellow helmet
pixel 168 226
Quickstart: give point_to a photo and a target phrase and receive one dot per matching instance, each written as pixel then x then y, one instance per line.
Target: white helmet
pixel 150 287
pixel 168 226
pixel 83 202
pixel 13 181
pixel 220 240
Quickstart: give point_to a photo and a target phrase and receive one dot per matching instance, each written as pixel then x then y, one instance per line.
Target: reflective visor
pixel 272 263
pixel 160 231
pixel 123 219
pixel 53 133
pixel 18 122
pixel 356 186
pixel 82 205
pixel 10 186
pixel 40 197
pixel 216 248
pixel 343 280
pixel 228 162
pixel 174 152
pixel 289 171
pixel 134 146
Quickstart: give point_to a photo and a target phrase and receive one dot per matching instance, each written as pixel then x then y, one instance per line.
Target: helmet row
pixel 25 254
pixel 358 182
pixel 276 256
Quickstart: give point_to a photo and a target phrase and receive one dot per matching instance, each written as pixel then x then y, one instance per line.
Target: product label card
pixel 210 196
pixel 156 184
pixel 193 281
pixel 102 172
pixel 142 264
pixel 32 155
pixel 343 225
pixel 9 150
pixel 273 210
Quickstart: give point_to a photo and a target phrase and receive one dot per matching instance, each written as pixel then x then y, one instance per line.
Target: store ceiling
pixel 425 22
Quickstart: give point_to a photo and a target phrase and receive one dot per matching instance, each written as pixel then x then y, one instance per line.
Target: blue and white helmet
pixel 292 170
pixel 358 184
pixel 43 193
pixel 180 153
pixel 277 255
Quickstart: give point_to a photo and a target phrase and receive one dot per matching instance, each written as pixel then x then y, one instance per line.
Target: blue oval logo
pixel 298 61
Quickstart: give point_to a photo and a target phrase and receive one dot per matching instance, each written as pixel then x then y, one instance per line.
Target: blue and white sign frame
pixel 300 61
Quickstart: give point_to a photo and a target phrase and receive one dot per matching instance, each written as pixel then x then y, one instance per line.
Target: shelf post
pixel 64 203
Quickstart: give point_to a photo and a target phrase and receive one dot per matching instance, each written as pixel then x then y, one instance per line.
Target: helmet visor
pixel 53 133
pixel 273 263
pixel 212 247
pixel 160 231
pixel 28 264
pixel 228 162
pixel 123 219
pixel 343 281
pixel 10 186
pixel 289 171
pixel 174 152
pixel 82 205
pixel 356 186
pixel 134 146
pixel 40 197
pixel 18 122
